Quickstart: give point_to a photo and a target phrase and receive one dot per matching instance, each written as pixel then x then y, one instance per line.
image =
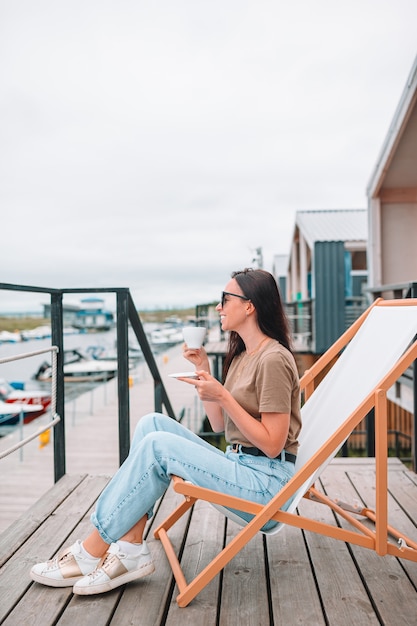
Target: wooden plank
pixel 19 531
pixel 88 610
pixel 244 596
pixel 294 594
pixel 403 489
pixel 45 605
pixel 42 609
pixel 53 534
pixel 393 595
pixel 216 348
pixel 96 609
pixel 145 602
pixel 363 463
pixel 205 539
pixel 403 486
pixel 344 597
pixel 306 569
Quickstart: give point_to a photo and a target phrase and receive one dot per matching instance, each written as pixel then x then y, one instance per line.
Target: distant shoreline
pixel 29 321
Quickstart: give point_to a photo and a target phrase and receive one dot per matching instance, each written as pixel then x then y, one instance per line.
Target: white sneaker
pixel 65 569
pixel 116 568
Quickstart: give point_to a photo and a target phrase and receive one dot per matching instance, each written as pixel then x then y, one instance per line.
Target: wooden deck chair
pixel 354 376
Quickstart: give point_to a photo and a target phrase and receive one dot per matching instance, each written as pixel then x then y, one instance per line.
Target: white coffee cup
pixel 194 336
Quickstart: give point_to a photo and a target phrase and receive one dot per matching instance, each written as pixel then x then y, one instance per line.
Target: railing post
pixel 57 338
pixel 123 373
pixel 161 397
pixel 158 396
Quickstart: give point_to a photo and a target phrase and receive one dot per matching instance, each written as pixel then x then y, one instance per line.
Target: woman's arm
pixel 269 434
pixel 215 416
pixel 200 359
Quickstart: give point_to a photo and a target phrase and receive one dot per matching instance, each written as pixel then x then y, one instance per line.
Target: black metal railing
pixel 300 315
pixel 354 307
pixel 126 313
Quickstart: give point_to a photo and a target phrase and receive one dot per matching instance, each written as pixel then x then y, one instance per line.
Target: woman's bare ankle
pixel 95 545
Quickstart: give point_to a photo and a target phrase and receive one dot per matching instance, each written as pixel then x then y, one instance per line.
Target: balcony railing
pixel 126 314
pixel 300 314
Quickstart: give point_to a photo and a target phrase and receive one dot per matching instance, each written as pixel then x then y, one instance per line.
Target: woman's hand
pixel 208 388
pixel 212 394
pixel 196 356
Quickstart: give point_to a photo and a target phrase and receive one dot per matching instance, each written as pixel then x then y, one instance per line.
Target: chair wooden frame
pixel 302 483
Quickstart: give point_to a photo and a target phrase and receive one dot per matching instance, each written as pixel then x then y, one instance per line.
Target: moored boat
pixel 12 412
pixel 166 336
pixel 8 337
pixel 28 397
pixel 80 368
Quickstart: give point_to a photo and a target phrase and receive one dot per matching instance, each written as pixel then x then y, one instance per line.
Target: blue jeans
pixel 162 447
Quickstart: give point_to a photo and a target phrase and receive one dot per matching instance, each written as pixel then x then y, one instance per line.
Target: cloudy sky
pixel 155 144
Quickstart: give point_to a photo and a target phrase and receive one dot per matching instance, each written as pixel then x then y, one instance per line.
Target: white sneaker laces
pixel 111 552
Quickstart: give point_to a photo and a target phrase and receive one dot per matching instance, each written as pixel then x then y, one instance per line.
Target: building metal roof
pixel 333 225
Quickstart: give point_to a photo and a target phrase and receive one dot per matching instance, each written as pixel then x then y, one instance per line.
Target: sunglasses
pixel 235 295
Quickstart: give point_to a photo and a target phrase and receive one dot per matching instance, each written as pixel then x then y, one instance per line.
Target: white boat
pixel 44 332
pixel 100 353
pixel 40 332
pixel 7 337
pixel 80 368
pixel 166 336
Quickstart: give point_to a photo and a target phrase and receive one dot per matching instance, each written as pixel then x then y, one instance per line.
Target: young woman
pixel 258 407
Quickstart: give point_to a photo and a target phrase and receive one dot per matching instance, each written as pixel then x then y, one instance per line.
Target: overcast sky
pixel 156 144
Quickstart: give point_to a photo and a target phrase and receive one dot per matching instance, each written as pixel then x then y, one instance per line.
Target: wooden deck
pixel 290 578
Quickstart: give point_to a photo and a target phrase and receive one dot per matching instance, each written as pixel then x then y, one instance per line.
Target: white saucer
pixel 184 375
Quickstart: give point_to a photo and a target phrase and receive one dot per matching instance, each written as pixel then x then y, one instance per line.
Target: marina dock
pixel 291 578
pixel 91 431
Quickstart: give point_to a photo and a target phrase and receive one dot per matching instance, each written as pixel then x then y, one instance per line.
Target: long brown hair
pixel 261 288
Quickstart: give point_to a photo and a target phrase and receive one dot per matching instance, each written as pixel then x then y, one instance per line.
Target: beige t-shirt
pixel 265 382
